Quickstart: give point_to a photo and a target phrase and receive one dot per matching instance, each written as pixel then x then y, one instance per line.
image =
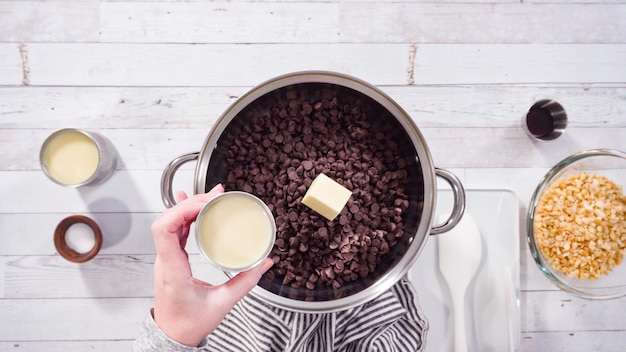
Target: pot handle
pixel 459 202
pixel 167 195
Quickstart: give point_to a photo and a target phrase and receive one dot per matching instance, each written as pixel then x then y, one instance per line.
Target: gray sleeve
pixel 152 339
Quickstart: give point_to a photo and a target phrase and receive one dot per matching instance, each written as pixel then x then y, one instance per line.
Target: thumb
pixel 181 196
pixel 239 286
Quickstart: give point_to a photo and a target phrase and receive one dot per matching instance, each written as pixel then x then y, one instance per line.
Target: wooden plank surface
pixel 67 346
pixel 323 22
pixel 72 319
pixel 38 277
pixel 125 192
pixel 89 64
pixel 587 105
pixel 573 341
pixel 124 233
pixel 450 147
pixel 155 75
pixel 474 23
pixel 558 311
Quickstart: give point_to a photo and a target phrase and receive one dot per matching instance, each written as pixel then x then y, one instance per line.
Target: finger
pixel 236 288
pixel 183 237
pixel 217 189
pixel 201 199
pixel 185 212
pixel 171 230
pixel 181 196
pixel 197 200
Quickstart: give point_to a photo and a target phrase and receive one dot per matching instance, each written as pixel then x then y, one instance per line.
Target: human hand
pixel 187 309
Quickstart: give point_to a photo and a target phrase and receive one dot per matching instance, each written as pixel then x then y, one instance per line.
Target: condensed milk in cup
pixel 74 158
pixel 235 231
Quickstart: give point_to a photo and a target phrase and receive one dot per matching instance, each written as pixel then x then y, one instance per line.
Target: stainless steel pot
pixel 314 86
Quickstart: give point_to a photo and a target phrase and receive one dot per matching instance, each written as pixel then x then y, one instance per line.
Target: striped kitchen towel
pixel 391 322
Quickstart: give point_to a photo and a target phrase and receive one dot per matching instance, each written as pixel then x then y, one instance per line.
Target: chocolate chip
pixel 278 155
pixel 344 220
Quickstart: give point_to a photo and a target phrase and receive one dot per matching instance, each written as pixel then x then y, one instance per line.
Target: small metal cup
pixel 107 157
pixel 247 196
pixel 545 120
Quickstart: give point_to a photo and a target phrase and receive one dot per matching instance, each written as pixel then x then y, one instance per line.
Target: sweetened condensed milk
pixel 71 157
pixel 235 231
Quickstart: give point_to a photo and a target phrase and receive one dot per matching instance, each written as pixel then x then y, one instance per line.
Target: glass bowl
pixel 561 236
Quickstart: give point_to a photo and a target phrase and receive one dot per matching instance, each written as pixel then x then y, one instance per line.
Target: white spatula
pixel 460 253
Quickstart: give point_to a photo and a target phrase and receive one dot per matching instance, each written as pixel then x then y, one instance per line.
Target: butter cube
pixel 326 197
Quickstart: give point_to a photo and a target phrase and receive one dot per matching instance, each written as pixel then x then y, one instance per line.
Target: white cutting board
pixel 497 214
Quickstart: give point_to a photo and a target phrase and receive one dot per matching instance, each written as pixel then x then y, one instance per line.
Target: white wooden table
pixel 154 76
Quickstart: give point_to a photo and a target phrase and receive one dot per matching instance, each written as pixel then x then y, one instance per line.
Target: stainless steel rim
pixel 423 154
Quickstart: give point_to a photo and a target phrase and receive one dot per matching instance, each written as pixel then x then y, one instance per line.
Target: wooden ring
pixel 65 250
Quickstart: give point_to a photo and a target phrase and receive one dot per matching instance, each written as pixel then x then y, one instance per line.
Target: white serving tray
pixel 497 214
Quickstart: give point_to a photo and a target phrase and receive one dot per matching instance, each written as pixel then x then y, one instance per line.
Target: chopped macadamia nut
pixel 580 225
